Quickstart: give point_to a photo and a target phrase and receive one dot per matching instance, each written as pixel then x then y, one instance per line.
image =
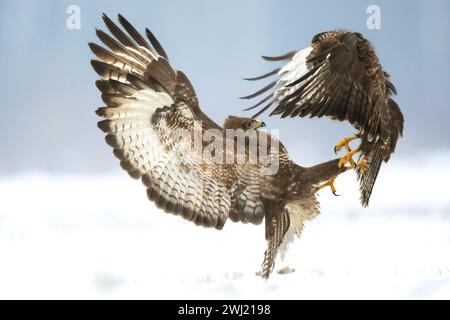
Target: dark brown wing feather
pixel 285 56
pixel 343 80
pixel 348 84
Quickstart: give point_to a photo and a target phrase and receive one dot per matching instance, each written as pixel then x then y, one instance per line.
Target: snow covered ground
pixel 99 237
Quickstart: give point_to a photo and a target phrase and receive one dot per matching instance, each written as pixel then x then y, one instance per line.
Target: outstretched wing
pixel 149 121
pixel 340 77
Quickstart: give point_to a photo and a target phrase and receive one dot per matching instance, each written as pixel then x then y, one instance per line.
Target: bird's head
pixel 233 122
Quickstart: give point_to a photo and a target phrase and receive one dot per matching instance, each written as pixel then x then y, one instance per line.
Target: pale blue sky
pixel 49 97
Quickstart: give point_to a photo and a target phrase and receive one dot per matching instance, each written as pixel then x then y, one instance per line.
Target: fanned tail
pixel 280 227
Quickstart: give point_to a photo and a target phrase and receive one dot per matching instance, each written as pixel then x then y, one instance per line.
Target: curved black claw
pixel 337 195
pixel 335 150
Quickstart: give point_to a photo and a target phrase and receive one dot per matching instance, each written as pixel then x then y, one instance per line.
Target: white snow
pixel 99 237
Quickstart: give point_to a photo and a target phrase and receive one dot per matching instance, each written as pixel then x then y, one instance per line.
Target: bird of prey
pixel 339 76
pixel 147 102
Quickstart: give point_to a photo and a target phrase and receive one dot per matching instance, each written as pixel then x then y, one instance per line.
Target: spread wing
pixel 149 121
pixel 340 77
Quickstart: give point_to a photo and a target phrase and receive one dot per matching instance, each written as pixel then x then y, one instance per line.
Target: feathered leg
pixel 361 166
pixel 327 171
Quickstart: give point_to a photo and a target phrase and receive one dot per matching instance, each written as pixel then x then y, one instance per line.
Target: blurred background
pixel 69 216
pixel 48 96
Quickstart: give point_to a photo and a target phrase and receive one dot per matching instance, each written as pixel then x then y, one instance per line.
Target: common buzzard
pixel 339 76
pixel 147 104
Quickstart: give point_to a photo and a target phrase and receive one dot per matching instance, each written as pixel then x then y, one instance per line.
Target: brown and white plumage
pixel 148 104
pixel 339 76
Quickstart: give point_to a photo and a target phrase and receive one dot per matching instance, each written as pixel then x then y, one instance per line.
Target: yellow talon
pixel 329 183
pixel 362 165
pixel 344 143
pixel 348 158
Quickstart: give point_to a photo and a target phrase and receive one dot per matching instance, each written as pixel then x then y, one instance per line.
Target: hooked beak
pixel 258 124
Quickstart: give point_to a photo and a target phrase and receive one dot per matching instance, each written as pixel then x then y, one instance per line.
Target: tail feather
pixel 367 179
pixel 279 226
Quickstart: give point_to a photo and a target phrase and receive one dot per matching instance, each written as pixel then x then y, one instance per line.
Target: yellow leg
pixel 344 143
pixel 348 157
pixel 329 183
pixel 362 164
